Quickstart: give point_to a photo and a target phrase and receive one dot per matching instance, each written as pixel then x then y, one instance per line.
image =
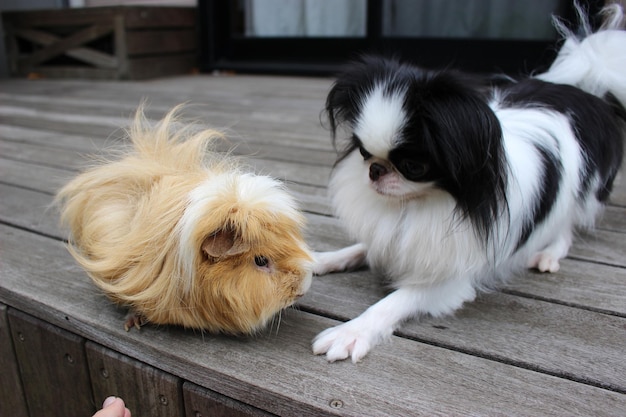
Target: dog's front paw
pixel 353 339
pixel 344 259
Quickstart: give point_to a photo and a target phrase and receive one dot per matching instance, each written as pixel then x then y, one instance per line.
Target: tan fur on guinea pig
pixel 179 234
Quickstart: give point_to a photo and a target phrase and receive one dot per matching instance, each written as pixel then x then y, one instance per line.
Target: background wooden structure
pixel 102 43
pixel 547 344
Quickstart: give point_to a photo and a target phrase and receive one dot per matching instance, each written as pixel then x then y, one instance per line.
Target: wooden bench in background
pixel 104 42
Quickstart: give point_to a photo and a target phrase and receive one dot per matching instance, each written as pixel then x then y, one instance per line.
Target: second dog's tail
pixel 593 62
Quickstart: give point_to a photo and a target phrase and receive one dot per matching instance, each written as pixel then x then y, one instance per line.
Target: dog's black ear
pixel 344 99
pixel 335 105
pixel 343 104
pixel 352 86
pixel 340 109
pixel 463 135
pixel 477 164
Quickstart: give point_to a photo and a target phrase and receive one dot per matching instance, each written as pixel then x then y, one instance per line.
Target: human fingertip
pixel 108 401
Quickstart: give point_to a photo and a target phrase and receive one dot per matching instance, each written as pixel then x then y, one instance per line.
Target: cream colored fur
pixel 172 230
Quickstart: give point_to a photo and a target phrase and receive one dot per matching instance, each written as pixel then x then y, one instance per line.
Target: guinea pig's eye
pixel 364 153
pixel 413 169
pixel 261 261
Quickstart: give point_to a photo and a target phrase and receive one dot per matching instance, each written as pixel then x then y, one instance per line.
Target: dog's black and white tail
pixel 593 62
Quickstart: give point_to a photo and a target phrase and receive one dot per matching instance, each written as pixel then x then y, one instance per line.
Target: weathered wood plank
pixel 34 176
pixel 13 402
pixel 604 246
pixel 613 218
pixel 262 146
pixel 276 371
pixel 30 175
pixel 53 367
pixel 503 328
pixel 539 335
pixel 38 18
pixel 295 164
pixel 151 17
pixel 203 402
pixel 24 145
pixel 29 209
pixel 591 286
pixel 44 155
pixel 143 67
pixel 218 111
pixel 214 103
pixel 146 390
pixel 159 42
pixel 248 132
pixel 80 145
pixel 241 95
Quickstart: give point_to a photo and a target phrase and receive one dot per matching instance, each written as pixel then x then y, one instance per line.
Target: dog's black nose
pixel 377 171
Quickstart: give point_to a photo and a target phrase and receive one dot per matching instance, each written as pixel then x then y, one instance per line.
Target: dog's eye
pixel 364 153
pixel 261 261
pixel 413 169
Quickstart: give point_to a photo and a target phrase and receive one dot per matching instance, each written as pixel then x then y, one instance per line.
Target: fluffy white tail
pixel 593 62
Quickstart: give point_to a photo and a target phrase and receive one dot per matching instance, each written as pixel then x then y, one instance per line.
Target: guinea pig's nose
pixel 377 171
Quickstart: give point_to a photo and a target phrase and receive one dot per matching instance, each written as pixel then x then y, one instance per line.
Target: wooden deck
pixel 546 345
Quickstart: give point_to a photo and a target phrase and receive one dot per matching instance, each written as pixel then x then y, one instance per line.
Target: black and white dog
pixel 451 183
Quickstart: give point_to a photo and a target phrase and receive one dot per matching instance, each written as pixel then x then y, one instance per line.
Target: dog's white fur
pixel 442 262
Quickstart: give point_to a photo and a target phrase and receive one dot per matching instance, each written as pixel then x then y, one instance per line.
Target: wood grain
pixel 200 402
pixel 13 402
pixel 53 367
pixel 146 390
pixel 160 42
pixel 163 35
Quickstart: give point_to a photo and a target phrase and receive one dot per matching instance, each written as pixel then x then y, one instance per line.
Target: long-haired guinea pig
pixel 182 235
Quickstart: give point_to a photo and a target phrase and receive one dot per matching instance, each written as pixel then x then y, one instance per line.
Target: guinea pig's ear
pixel 223 244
